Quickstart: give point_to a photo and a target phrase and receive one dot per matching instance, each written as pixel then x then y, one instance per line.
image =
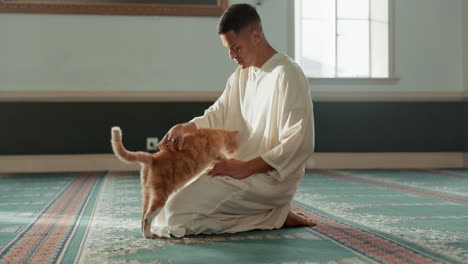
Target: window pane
pixel 318 38
pixel 379 10
pixel 353 48
pixel 357 9
pixel 318 9
pixel 379 45
pixel 379 50
pixel 359 48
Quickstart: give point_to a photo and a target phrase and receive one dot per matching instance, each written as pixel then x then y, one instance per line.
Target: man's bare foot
pixel 297 219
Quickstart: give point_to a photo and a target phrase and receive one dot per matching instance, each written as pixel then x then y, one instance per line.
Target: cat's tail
pixel 125 155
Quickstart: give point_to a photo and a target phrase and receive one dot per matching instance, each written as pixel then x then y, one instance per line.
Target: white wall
pixel 83 52
pixel 70 52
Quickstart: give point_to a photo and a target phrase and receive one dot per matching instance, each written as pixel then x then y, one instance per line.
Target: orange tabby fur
pixel 164 172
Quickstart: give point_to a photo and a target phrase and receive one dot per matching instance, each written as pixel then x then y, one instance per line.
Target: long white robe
pixel 272 110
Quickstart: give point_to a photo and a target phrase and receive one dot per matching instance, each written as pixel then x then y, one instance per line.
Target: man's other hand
pixel 232 168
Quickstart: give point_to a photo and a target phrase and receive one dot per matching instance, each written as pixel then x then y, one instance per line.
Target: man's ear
pixel 256 34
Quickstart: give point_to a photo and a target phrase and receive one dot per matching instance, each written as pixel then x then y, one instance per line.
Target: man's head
pixel 241 33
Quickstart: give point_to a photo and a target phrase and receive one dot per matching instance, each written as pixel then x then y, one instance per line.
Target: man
pixel 267 100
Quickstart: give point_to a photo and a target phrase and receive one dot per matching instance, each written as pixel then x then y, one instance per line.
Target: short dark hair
pixel 237 17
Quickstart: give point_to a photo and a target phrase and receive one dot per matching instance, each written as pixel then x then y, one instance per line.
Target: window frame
pixel 295 41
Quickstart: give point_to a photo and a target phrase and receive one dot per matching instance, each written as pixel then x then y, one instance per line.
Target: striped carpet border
pixel 433 194
pixel 44 240
pixel 76 257
pixel 39 214
pixel 371 245
pixel 447 173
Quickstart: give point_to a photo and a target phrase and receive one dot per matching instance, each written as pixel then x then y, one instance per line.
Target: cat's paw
pixel 146 228
pixel 147 222
pixel 147 234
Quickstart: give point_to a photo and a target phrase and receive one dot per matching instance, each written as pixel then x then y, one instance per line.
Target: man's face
pixel 242 48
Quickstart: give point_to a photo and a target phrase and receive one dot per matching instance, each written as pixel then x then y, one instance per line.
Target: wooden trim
pixel 208 96
pixel 104 96
pixel 402 160
pixel 100 8
pixel 105 162
pixel 63 163
pixel 389 96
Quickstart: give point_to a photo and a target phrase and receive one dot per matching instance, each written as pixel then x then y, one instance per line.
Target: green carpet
pixel 383 216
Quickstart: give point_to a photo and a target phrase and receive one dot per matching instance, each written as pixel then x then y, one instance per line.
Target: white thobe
pixel 271 108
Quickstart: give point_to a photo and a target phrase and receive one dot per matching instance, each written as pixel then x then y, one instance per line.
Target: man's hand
pixel 233 168
pixel 173 140
pixel 240 169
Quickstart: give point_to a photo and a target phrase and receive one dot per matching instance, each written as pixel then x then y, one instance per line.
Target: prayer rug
pixel 383 216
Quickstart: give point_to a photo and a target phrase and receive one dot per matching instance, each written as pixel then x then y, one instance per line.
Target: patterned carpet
pixel 383 216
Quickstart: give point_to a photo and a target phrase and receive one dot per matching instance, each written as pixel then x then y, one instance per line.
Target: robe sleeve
pixel 295 124
pixel 214 116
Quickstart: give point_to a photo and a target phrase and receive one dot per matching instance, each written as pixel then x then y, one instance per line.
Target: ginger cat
pixel 164 172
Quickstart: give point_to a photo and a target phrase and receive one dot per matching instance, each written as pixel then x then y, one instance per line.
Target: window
pixel 343 38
